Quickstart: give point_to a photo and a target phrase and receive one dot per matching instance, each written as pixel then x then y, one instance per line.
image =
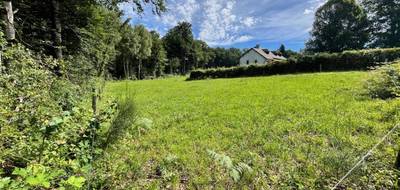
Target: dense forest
pixel 95 30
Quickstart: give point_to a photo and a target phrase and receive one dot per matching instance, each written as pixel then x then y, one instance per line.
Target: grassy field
pixel 279 132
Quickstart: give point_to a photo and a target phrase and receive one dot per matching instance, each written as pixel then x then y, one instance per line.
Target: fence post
pixel 397 166
pixel 94 101
pixel 1 61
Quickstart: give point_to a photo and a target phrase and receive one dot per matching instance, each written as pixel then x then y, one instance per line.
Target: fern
pixel 236 171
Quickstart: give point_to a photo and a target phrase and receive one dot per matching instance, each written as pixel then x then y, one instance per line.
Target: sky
pixel 236 23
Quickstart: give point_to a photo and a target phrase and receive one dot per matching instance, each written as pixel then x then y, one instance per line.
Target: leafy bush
pixel 384 82
pixel 345 61
pixel 48 135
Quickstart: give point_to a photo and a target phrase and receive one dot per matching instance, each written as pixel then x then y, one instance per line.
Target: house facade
pixel 258 56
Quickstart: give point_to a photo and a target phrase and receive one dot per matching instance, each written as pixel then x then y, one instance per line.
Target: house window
pixel 256 61
pixel 247 62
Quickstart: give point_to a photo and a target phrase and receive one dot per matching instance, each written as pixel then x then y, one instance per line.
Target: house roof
pixel 265 53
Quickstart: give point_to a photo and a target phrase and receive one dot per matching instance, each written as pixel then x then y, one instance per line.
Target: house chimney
pixel 257 46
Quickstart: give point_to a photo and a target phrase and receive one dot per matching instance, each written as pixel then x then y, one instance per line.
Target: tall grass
pixel 123 121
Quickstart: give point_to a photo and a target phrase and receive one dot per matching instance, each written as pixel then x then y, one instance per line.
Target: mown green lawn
pixel 293 131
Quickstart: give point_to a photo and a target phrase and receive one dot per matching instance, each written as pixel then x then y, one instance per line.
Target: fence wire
pixel 369 153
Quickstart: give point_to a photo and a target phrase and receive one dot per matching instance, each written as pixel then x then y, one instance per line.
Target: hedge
pixel 345 61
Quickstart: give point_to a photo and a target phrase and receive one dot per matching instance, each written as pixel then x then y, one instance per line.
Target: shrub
pixel 345 61
pixel 47 136
pixel 384 82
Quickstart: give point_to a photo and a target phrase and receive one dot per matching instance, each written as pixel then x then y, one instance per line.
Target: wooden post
pixel 8 17
pixel 94 101
pixel 1 61
pixel 397 166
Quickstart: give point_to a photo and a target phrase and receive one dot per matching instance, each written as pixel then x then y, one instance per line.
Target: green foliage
pixel 75 182
pixel 145 44
pixel 3 41
pixel 277 67
pixel 135 48
pixel 345 61
pixel 100 38
pixel 178 43
pixel 236 171
pixel 37 176
pixel 123 120
pixel 155 64
pixel 339 25
pixel 224 57
pixel 45 126
pixel 385 22
pixel 49 136
pixel 384 81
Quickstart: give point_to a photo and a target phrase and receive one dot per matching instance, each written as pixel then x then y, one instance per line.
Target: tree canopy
pixel 384 16
pixel 339 25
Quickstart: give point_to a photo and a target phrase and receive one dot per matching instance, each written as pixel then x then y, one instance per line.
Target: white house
pixel 258 56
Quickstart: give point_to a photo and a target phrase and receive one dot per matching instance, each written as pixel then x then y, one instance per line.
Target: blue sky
pixel 237 23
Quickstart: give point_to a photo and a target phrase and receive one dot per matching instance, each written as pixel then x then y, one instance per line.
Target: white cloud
pixel 187 10
pixel 308 11
pixel 230 22
pixel 179 11
pixel 313 6
pixel 243 38
pixel 249 21
pixel 220 25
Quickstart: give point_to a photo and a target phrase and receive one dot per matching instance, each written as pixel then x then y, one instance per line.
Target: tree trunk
pixel 57 43
pixel 8 17
pixel 140 65
pixel 1 61
pixel 184 66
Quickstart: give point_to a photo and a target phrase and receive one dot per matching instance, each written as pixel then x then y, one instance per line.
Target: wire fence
pixel 362 159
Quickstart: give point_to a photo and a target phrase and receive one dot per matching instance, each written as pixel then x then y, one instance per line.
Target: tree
pixel 173 65
pixel 225 57
pixel 52 26
pixel 144 51
pixel 202 54
pixel 384 16
pixel 8 17
pixel 100 38
pixel 179 44
pixel 128 47
pixel 57 36
pixel 339 25
pixel 155 64
pixel 282 50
